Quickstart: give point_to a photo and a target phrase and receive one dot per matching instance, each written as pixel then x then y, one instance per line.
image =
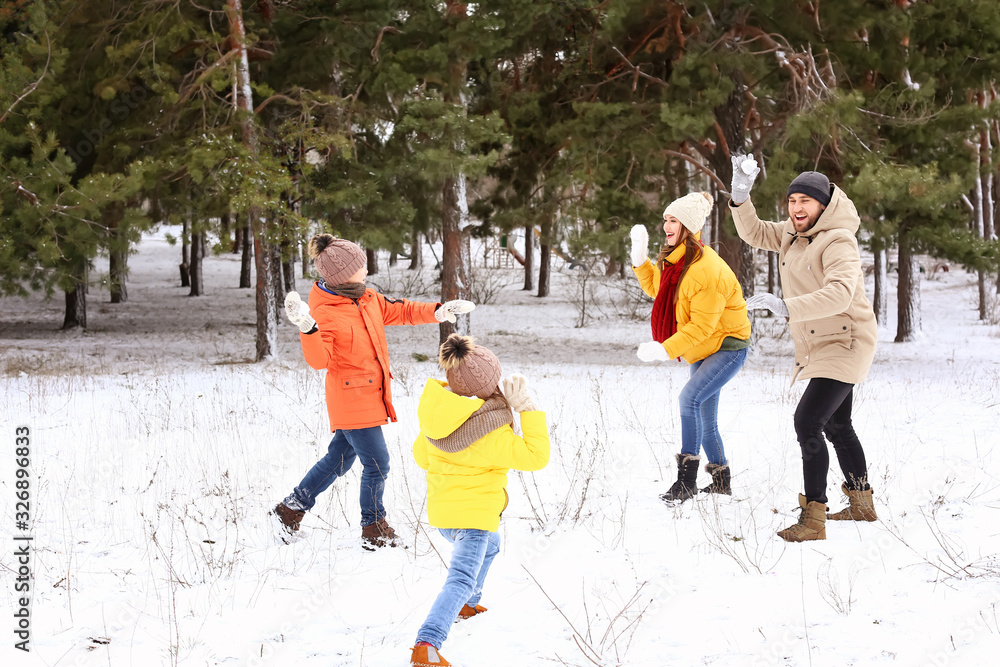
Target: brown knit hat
pixel 472 370
pixel 335 259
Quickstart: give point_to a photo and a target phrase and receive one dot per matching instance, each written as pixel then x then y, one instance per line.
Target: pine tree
pixel 56 218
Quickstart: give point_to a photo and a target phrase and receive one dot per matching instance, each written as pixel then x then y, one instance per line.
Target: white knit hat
pixel 691 210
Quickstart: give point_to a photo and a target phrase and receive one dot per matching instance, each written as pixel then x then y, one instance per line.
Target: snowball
pixel 748 165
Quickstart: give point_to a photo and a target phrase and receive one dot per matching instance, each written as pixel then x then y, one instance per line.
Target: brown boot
pixel 860 507
pixel 468 612
pixel 378 534
pixel 811 524
pixel 289 518
pixel 425 655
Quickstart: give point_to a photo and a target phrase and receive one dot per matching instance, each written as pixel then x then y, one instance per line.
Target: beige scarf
pixel 491 415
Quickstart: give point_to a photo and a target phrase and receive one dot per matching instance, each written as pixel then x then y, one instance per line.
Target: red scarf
pixel 664 309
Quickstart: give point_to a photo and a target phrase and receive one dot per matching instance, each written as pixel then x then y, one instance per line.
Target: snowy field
pixel 157 450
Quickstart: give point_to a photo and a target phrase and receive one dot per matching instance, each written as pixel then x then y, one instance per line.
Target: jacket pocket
pixel 830 331
pixel 355 382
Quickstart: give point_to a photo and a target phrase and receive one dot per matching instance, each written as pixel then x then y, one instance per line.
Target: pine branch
pixel 31 88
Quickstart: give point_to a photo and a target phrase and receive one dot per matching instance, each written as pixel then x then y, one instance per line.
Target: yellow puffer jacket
pixel 467 489
pixel 710 305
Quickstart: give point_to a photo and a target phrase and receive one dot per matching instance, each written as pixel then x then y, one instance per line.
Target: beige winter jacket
pixel 831 319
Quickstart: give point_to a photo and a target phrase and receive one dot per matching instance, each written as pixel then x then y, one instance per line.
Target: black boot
pixel 687 474
pixel 720 479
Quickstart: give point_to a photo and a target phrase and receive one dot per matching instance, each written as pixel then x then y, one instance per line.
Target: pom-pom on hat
pixel 335 259
pixel 812 184
pixel 691 210
pixel 472 370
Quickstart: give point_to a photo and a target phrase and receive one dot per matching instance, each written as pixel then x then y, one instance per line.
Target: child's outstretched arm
pixel 530 452
pixel 404 311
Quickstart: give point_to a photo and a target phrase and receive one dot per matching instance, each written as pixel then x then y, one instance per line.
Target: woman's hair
pixel 692 253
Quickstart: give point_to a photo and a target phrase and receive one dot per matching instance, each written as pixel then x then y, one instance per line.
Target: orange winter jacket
pixel 350 345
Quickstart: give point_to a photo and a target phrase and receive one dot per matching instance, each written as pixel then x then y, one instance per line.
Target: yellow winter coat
pixel 467 489
pixel 710 305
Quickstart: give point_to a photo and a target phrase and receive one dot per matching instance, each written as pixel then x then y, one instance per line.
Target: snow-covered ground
pixel 157 449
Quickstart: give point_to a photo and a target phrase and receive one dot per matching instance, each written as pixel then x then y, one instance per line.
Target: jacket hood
pixel 839 214
pixel 440 411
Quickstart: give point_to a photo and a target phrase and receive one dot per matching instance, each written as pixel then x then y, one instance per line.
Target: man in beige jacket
pixel 832 323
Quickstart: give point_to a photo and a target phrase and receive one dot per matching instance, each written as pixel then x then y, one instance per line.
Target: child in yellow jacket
pixel 467 444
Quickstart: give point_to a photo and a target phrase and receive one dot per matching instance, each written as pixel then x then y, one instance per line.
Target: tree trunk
pixel 455 252
pixel 117 252
pixel 880 301
pixel 185 265
pixel 737 254
pixel 266 306
pixel 117 272
pixel 372 259
pixel 544 258
pixel 908 326
pixel 730 119
pixel 224 228
pixel 772 272
pixel 529 258
pixel 238 240
pixel 416 253
pixel 197 264
pixel 288 274
pixel 982 281
pixel 267 321
pixel 76 303
pixel 246 260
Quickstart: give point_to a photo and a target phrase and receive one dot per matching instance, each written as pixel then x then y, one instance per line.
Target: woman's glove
pixel 766 300
pixel 639 252
pixel 515 388
pixel 745 170
pixel 298 312
pixel 652 351
pixel 449 309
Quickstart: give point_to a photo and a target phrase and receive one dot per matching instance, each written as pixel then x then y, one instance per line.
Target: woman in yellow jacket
pixel 699 315
pixel 466 444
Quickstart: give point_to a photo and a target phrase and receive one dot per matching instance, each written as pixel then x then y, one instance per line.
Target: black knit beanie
pixel 812 184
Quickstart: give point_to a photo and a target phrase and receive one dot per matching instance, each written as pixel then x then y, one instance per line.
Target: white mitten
pixel 515 388
pixel 449 309
pixel 766 300
pixel 745 170
pixel 298 312
pixel 652 351
pixel 639 252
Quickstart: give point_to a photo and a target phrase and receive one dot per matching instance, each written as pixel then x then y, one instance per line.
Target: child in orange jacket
pixel 343 331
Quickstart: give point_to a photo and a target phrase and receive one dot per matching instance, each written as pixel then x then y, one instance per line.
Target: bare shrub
pixel 485 285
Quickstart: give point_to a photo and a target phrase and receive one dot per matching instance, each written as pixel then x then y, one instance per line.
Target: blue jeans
pixel 470 561
pixel 700 403
pixel 366 444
